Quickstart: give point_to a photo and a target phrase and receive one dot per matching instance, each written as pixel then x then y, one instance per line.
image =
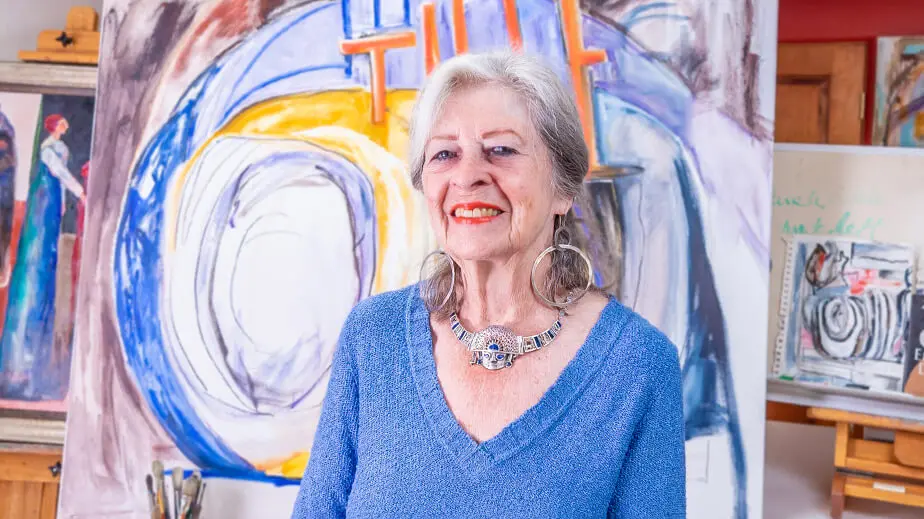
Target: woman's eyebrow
pixel 501 131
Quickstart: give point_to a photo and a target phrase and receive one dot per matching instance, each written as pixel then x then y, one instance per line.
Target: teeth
pixel 480 212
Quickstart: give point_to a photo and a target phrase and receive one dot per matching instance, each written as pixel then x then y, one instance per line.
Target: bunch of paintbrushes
pixel 187 494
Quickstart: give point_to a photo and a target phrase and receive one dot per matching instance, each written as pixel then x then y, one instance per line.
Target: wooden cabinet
pixel 29 478
pixel 821 92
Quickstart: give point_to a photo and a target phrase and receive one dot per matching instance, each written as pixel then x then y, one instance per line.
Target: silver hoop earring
pixel 452 270
pixel 561 245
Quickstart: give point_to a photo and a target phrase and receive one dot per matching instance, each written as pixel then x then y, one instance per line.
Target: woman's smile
pixel 474 213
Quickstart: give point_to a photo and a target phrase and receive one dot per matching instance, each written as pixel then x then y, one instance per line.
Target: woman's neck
pixel 500 293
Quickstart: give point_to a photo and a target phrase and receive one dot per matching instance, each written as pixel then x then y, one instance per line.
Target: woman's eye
pixel 503 151
pixel 443 155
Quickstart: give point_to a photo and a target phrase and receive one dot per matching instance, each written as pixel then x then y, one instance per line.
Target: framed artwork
pixel 46 122
pixel 845 309
pixel 899 113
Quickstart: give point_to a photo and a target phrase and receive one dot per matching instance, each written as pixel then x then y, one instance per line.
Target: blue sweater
pixel 606 440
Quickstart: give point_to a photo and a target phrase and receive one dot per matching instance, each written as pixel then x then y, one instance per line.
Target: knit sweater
pixel 606 440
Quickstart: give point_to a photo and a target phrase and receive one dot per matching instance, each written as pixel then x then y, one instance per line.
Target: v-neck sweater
pixel 605 440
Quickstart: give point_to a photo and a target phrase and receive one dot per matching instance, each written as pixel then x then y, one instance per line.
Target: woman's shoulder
pixel 638 341
pixel 385 307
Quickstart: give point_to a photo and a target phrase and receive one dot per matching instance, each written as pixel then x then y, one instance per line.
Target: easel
pixel 892 472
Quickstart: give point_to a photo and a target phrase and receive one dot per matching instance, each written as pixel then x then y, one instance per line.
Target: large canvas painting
pixel 44 162
pixel 256 189
pixel 899 112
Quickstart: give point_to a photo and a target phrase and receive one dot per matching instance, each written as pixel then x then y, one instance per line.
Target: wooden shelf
pixel 893 405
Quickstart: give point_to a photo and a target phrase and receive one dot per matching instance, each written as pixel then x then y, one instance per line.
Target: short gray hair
pixel 554 116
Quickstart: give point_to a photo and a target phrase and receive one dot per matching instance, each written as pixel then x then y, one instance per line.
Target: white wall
pixel 22 20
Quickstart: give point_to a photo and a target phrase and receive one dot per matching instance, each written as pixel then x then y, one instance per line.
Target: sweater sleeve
pixel 328 478
pixel 652 482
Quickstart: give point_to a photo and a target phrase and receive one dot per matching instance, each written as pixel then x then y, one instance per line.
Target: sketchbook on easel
pixel 844 311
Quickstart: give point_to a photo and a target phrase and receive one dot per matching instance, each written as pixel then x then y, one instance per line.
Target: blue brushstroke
pixel 645 8
pixel 260 53
pixel 137 274
pixel 27 364
pixel 659 17
pixel 269 82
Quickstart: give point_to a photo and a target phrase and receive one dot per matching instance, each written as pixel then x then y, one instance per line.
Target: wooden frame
pixel 41 78
pixel 32 430
pixel 47 78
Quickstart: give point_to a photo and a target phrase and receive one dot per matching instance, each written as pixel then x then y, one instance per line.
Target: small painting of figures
pixel 44 162
pixel 899 119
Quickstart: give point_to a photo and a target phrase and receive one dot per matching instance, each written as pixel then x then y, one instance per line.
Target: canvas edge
pixel 47 78
pixel 32 430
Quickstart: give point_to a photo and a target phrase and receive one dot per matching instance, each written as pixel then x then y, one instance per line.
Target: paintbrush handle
pixel 161 504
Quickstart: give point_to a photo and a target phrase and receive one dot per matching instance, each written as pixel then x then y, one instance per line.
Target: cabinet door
pixel 29 484
pixel 821 92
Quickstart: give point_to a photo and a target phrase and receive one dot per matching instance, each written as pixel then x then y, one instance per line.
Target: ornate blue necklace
pixel 496 347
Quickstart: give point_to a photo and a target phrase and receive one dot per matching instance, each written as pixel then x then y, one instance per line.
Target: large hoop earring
pixel 560 244
pixel 452 270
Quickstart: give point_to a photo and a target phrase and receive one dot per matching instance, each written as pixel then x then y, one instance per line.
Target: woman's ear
pixel 561 206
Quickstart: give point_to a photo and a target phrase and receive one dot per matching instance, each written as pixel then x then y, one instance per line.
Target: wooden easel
pixel 892 472
pixel 78 43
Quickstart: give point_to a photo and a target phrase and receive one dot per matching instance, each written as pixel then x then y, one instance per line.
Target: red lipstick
pixel 474 213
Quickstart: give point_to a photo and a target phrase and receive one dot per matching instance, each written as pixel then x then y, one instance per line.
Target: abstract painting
pixel 256 189
pixel 845 308
pixel 899 112
pixel 44 161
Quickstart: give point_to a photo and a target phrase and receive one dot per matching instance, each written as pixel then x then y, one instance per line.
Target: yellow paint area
pixel 341 122
pixel 292 468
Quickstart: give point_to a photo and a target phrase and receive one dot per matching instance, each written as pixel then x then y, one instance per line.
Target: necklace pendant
pixel 496 347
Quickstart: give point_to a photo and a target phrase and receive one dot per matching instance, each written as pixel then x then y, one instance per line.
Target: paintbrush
pixel 177 489
pixel 190 489
pixel 152 500
pixel 197 508
pixel 158 469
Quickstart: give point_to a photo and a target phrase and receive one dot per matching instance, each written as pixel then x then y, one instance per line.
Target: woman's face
pixel 487 177
pixel 61 127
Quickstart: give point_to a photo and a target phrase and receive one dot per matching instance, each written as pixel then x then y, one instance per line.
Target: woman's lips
pixel 474 213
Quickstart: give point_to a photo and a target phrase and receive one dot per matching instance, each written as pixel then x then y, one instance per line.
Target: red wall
pixel 807 20
pixel 851 20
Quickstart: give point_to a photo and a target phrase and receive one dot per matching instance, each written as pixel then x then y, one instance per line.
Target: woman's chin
pixel 477 250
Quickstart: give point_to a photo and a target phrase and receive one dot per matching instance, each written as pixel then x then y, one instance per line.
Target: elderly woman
pixel 503 384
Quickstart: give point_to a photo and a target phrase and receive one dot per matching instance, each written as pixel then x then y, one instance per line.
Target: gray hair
pixel 554 116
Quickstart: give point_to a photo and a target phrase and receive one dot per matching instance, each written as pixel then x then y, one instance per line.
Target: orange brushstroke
pixel 513 24
pixel 431 46
pixel 376 46
pixel 578 58
pixel 459 31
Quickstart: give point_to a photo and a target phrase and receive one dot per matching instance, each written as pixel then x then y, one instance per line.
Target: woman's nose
pixel 472 171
